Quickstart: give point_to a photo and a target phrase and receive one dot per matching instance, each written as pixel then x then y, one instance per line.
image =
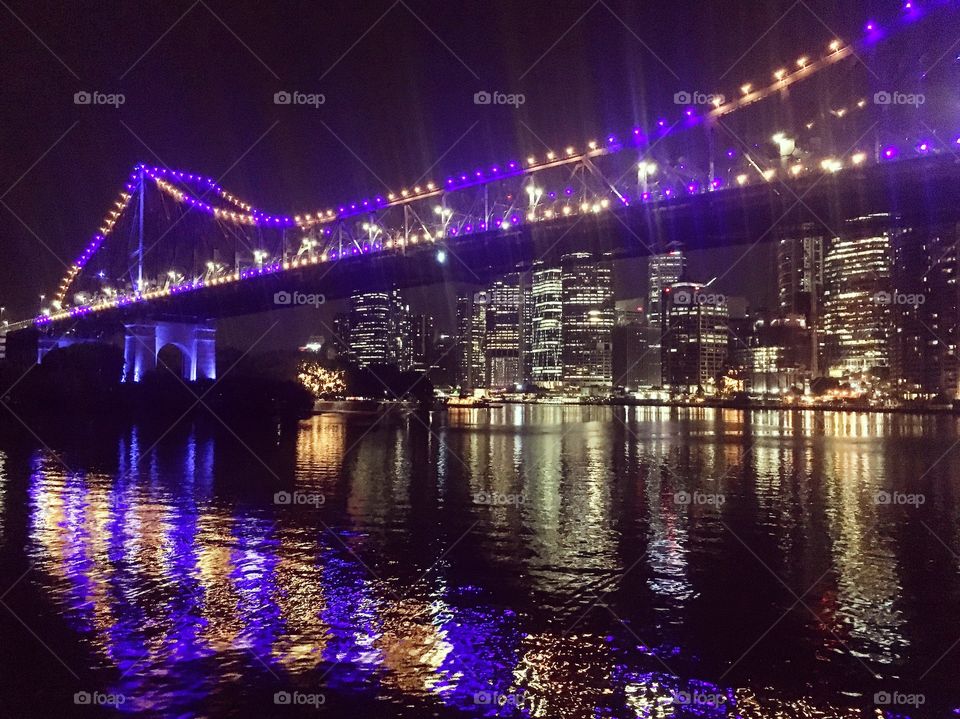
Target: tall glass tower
pixel 547 321
pixel 587 327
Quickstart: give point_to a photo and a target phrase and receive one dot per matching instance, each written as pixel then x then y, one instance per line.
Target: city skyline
pixel 410 359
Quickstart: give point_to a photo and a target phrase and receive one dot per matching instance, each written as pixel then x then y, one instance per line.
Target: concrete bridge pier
pixel 195 343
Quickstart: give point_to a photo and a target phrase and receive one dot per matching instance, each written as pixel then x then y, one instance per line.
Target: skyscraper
pixel 926 310
pixel 421 339
pixel 858 274
pixel 695 338
pixel 629 344
pixel 379 329
pixel 663 270
pixel 588 316
pixel 547 327
pixel 503 343
pixel 471 331
pixel 800 269
pixel 369 336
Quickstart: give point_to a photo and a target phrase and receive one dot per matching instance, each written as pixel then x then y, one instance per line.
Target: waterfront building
pixel 379 329
pixel 663 270
pixel 858 315
pixel 503 344
pixel 779 355
pixel 629 344
pixel 421 342
pixel 587 327
pixel 471 332
pixel 694 339
pixel 926 313
pixel 547 327
pixel 800 255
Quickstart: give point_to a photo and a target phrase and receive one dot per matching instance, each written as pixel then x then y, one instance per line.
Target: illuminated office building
pixel 694 340
pixel 663 270
pixel 379 329
pixel 800 253
pixel 857 322
pixel 587 326
pixel 925 305
pixel 547 327
pixel 503 344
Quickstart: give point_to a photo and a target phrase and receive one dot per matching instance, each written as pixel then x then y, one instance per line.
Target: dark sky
pixel 398 78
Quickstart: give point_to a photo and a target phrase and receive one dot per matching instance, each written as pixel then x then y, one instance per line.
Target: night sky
pixel 398 79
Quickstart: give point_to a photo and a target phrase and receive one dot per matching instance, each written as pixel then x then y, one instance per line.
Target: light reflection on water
pixel 597 595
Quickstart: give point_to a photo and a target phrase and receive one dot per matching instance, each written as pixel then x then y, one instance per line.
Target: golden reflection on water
pixel 153 566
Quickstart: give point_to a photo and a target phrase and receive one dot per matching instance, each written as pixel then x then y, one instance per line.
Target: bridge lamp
pixel 834 45
pixel 769 174
pixel 803 62
pixel 441 257
pixel 569 150
pixel 551 155
pixel 786 145
pixel 592 144
pixel 567 209
pixel 780 74
pixel 831 164
pixel 796 170
pixel 531 160
pixel 746 88
pixel 858 158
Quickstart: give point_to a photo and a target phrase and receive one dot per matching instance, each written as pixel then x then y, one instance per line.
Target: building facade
pixel 663 271
pixel 587 327
pixel 857 323
pixel 547 327
pixel 694 340
pixel 379 329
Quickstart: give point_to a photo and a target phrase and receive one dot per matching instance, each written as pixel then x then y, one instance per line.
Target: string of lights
pixel 250 216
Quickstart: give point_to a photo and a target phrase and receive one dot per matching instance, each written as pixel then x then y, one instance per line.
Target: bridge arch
pixel 174 357
pixel 150 344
